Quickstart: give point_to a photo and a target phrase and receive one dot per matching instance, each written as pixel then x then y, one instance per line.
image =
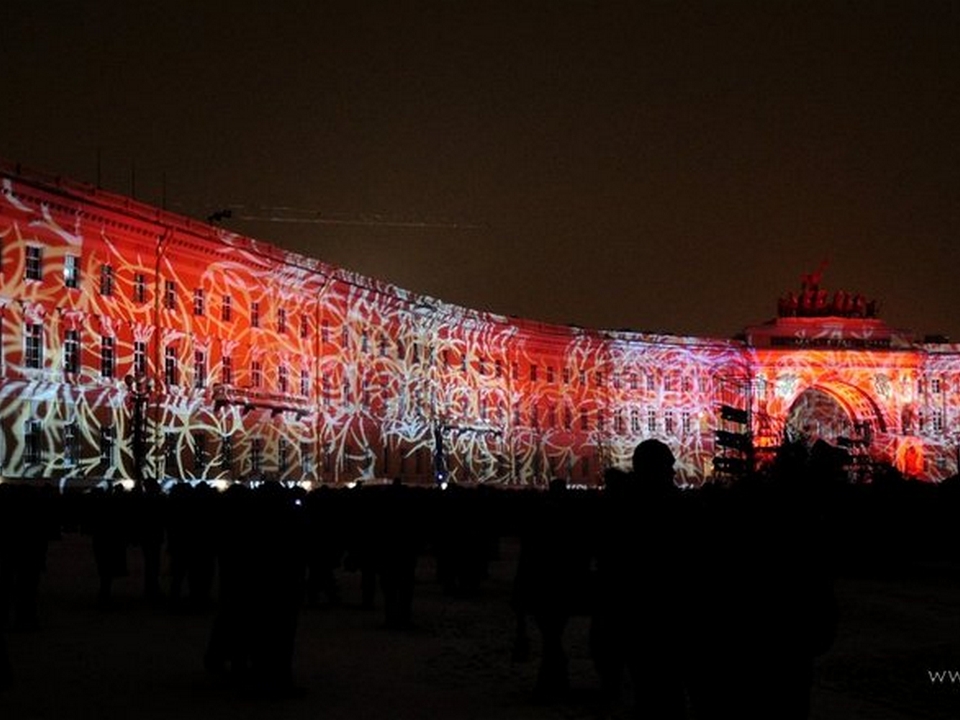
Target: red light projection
pixel 246 361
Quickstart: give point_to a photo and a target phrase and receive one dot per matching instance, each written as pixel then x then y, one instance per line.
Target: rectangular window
pixel 71 352
pixel 256 374
pixel 255 314
pixel 33 346
pixel 170 295
pixel 108 439
pixel 938 420
pixel 533 373
pixel 226 309
pixel 199 452
pixel 106 280
pixel 325 331
pixel 33 442
pixel 651 420
pixel 283 452
pixel 281 320
pixel 304 326
pixel 198 302
pixel 634 421
pixel 170 373
pixel 935 385
pixel 71 444
pixel 226 370
pixel 282 378
pixel 139 358
pixel 668 422
pixel 34 267
pixel 651 382
pixel 566 376
pixel 584 420
pixel 226 452
pixel 71 271
pixel 306 458
pixel 685 421
pixel 304 382
pixel 170 454
pixel 106 356
pixel 199 369
pixel 256 455
pixel 139 288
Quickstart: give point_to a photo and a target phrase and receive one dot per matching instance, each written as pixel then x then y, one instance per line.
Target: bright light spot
pixel 127 484
pixel 306 485
pixel 220 485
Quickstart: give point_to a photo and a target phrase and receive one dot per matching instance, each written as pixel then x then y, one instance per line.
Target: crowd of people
pixel 704 603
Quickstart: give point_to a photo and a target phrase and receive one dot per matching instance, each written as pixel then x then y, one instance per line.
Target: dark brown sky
pixel 664 166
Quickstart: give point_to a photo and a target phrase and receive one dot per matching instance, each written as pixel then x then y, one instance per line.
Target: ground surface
pixel 140 661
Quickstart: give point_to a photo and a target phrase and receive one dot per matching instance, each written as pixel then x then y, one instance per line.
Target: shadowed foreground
pixel 142 661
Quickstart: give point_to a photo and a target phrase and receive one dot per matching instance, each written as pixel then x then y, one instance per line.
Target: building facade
pixel 138 343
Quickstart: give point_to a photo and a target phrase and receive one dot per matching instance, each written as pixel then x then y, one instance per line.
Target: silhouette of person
pixel 638 618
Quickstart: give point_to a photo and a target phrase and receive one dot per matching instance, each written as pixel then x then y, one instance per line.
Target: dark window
pixel 199 369
pixel 226 309
pixel 199 452
pixel 71 352
pixel 34 267
pixel 106 280
pixel 281 320
pixel 139 287
pixel 198 301
pixel 170 295
pixel 256 373
pixel 304 326
pixel 108 438
pixel 33 346
pixel 226 371
pixel 33 442
pixel 255 314
pixel 170 368
pixel 71 444
pixel 107 356
pixel 139 358
pixel 226 451
pixel 304 382
pixel 282 378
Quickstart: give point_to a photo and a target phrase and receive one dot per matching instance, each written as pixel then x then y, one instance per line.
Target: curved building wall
pixel 244 361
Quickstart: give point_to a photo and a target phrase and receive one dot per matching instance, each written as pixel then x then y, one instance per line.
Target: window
pixel 634 421
pixel 106 356
pixel 651 382
pixel 668 422
pixel 584 420
pixel 33 346
pixel 33 442
pixel 566 376
pixel 651 420
pixel 283 460
pixel 327 391
pixel 226 309
pixel 935 386
pixel 281 320
pixel 170 295
pixel 139 358
pixel 283 380
pixel 549 373
pixel 170 453
pixel 71 352
pixel 685 421
pixel 106 280
pixel 139 287
pixel 567 418
pixel 34 267
pixel 255 314
pixel 256 455
pixel 618 422
pixel 170 373
pixel 198 301
pixel 938 420
pixel 71 271
pixel 71 444
pixel 304 326
pixel 199 452
pixel 199 369
pixel 325 331
pixel 256 373
pixel 108 439
pixel 306 458
pixel 304 382
pixel 533 373
pixel 226 451
pixel 226 370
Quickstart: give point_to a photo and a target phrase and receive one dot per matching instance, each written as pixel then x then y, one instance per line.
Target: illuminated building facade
pixel 140 343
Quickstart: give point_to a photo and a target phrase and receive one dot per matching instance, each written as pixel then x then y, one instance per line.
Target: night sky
pixel 661 166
